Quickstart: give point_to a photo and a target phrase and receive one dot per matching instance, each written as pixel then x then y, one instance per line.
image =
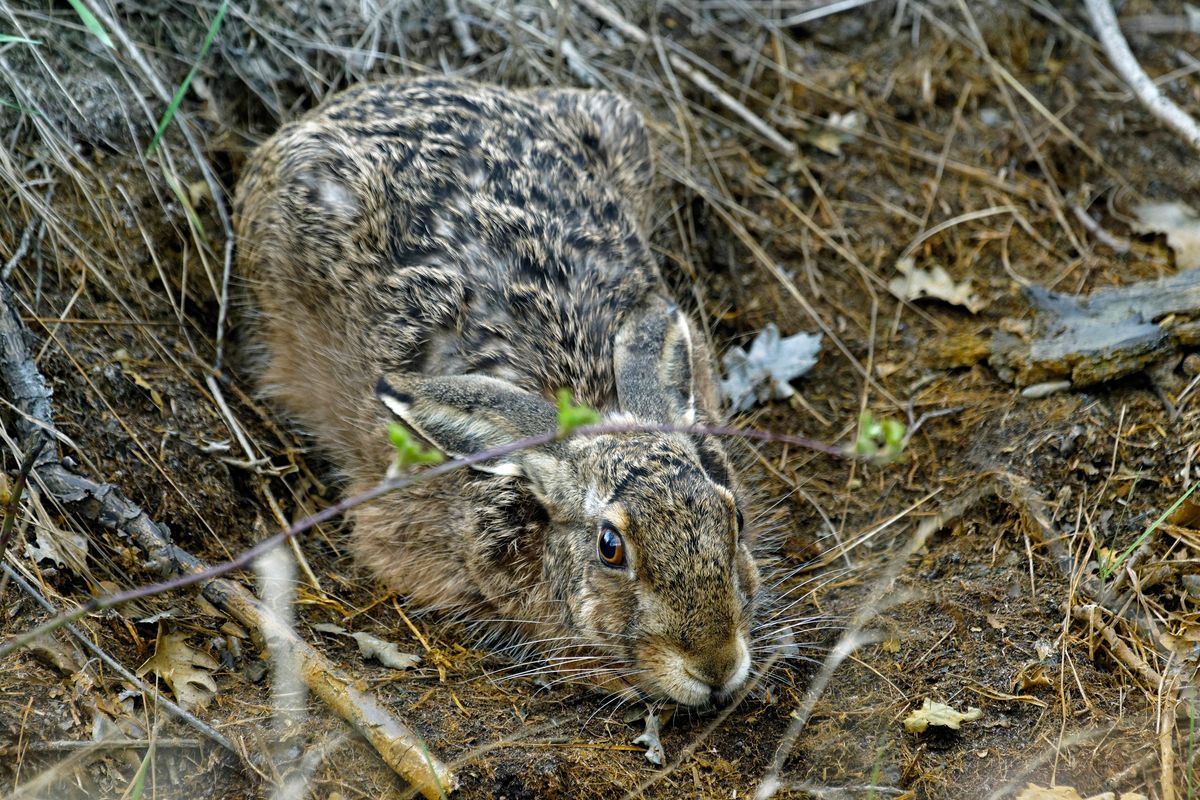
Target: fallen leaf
pixel 370 646
pixel 838 130
pixel 64 548
pixel 123 358
pixel 765 372
pixel 915 283
pixel 384 652
pixel 186 670
pixel 939 714
pixel 1034 792
pixel 1187 515
pixel 1179 222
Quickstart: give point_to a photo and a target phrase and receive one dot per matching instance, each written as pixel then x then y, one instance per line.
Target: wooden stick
pixel 1144 88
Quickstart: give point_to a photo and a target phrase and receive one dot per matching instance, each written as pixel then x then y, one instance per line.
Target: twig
pixel 1120 650
pixel 812 15
pixel 165 703
pixel 462 31
pixel 73 745
pixel 1147 92
pixel 600 9
pixel 22 247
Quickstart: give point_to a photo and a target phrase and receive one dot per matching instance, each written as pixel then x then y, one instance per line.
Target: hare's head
pixel 644 546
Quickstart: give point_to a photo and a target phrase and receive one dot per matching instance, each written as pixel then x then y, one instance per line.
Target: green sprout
pixel 572 416
pixel 881 440
pixel 410 452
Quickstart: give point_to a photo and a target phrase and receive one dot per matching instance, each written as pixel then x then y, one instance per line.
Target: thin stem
pixel 246 557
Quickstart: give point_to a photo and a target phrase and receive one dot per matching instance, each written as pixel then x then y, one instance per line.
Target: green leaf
pixel 882 440
pixel 572 416
pixel 410 452
pixel 91 23
pixel 8 38
pixel 187 81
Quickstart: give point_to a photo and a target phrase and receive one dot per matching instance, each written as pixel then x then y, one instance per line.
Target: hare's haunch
pixel 452 254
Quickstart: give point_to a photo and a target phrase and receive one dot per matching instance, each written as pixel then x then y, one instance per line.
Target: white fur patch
pixel 336 198
pixel 743 668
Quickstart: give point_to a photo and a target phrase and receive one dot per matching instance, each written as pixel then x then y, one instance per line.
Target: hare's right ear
pixel 652 357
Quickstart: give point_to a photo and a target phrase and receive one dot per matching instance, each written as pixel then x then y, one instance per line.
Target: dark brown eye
pixel 610 546
pixel 741 522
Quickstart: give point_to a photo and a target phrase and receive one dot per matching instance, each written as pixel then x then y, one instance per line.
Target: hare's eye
pixel 741 522
pixel 610 546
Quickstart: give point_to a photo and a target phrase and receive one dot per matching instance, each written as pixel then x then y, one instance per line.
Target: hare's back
pixel 459 227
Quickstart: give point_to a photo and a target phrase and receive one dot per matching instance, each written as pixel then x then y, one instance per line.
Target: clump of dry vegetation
pixel 907 178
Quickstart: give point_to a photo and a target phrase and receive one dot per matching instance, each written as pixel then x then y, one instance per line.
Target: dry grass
pixel 994 141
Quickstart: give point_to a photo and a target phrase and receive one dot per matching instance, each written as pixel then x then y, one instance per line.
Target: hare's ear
pixel 466 414
pixel 652 357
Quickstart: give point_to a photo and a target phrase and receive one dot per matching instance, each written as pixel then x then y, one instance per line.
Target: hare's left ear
pixel 465 414
pixel 652 357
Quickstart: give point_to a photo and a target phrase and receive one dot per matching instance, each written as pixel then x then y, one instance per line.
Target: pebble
pixel 1043 389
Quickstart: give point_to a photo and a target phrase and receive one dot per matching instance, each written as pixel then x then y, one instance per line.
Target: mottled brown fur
pixel 479 248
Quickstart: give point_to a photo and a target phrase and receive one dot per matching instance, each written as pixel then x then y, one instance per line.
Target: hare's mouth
pixel 701 680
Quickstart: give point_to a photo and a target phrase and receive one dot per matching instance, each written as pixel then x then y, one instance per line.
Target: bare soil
pixel 121 289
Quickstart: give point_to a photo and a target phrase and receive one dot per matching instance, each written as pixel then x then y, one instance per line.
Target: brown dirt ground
pixel 120 294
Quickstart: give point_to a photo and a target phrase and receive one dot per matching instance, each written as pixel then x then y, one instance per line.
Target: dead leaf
pixel 1187 515
pixel 838 130
pixel 1032 676
pixel 123 358
pixel 766 371
pixel 65 548
pixel 1179 222
pixel 915 283
pixel 384 652
pixel 1034 792
pixel 939 714
pixel 186 670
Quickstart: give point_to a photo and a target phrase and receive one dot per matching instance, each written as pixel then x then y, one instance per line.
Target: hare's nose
pixel 723 670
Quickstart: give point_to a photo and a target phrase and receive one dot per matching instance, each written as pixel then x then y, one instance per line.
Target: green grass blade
pixel 187 81
pixel 8 38
pixel 91 23
pixel 18 107
pixel 1119 560
pixel 134 792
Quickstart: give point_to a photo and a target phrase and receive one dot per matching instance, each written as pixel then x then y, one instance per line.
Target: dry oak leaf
pixel 1179 222
pixel 185 669
pixel 914 283
pixel 939 714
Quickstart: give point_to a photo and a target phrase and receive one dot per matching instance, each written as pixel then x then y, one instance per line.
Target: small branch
pixel 462 31
pixel 1147 92
pixel 1121 651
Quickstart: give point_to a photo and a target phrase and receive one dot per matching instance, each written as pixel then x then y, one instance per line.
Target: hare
pixel 449 255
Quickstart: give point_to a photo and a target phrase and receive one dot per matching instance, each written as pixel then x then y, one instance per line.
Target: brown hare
pixel 452 254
